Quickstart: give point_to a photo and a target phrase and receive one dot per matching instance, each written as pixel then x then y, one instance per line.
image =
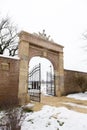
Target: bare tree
pixel 8 37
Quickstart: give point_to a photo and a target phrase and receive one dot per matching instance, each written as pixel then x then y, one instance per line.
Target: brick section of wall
pixel 9 78
pixel 70 84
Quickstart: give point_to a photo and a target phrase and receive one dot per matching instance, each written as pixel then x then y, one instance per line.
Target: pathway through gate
pixel 36 86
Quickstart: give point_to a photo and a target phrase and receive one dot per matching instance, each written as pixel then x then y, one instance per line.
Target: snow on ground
pixel 81 96
pixel 53 118
pixel 56 118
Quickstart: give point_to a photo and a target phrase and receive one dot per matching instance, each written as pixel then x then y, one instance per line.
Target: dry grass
pixel 60 102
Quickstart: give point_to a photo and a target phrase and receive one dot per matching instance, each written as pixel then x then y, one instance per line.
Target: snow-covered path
pixel 65 116
pixel 53 118
pixel 58 118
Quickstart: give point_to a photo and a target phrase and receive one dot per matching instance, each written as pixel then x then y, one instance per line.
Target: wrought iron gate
pixel 50 89
pixel 34 86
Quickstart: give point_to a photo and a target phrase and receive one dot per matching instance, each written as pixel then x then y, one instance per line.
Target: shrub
pixel 82 82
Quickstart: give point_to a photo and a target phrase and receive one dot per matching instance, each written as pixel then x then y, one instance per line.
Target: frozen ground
pixel 57 118
pixel 81 96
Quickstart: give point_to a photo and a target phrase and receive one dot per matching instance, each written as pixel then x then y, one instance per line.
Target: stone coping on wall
pixel 10 57
pixel 75 71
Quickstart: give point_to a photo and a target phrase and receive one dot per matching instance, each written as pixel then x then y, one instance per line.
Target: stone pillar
pixel 59 76
pixel 61 73
pixel 23 72
pixel 56 83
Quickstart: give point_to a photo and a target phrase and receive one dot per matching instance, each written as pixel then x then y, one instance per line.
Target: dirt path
pixel 81 105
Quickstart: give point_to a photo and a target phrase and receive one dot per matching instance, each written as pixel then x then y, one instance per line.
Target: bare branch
pixel 8 37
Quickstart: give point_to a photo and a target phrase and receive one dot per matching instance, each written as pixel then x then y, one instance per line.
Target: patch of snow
pixel 34 91
pixel 74 104
pixel 81 96
pixel 52 118
pixel 28 106
pixel 43 89
pixel 10 57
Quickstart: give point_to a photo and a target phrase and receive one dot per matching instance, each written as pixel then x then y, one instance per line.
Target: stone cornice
pixel 35 40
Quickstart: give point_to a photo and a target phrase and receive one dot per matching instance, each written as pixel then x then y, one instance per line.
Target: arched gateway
pixel 30 46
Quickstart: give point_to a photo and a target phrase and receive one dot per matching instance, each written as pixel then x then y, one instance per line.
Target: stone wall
pixel 9 81
pixel 9 76
pixel 72 80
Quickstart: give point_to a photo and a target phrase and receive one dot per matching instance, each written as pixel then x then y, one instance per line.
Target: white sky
pixel 64 20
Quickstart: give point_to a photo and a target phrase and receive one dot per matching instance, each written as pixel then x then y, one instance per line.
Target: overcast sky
pixel 64 20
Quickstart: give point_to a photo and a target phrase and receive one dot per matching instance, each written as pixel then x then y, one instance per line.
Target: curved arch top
pixel 30 46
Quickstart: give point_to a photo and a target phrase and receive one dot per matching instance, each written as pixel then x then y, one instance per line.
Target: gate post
pixel 61 73
pixel 23 71
pixel 59 76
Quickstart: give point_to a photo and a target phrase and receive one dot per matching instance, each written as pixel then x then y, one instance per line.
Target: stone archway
pixel 30 46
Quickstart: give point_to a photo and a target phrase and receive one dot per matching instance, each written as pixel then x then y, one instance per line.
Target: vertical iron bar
pixel 39 82
pixel 47 83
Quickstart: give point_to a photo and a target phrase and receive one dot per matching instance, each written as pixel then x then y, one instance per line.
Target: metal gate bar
pixel 50 89
pixel 34 86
